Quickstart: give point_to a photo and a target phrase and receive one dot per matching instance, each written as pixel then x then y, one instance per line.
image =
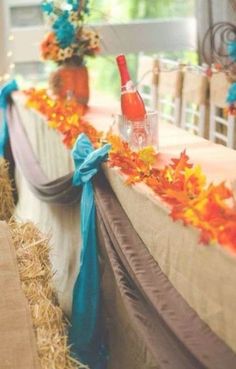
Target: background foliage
pixel 116 11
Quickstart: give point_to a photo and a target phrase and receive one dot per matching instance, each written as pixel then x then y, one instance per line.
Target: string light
pixel 6 76
pixel 11 66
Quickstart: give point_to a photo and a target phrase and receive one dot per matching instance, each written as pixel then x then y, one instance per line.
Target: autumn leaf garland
pixel 66 116
pixel 180 184
pixel 183 186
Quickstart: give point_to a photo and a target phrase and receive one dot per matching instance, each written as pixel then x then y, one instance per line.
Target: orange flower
pixel 49 47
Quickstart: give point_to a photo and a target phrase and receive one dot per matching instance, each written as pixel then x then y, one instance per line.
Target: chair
pixel 169 91
pixel 194 110
pixel 147 76
pixel 222 124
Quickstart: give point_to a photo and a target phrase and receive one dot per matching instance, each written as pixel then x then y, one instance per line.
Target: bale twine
pixel 6 192
pixel 49 323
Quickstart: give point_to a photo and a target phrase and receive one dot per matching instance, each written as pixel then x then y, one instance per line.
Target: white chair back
pixel 169 91
pixel 147 77
pixel 194 110
pixel 222 124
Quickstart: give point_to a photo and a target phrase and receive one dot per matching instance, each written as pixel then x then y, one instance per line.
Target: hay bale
pixel 49 323
pixel 6 192
pixel 32 251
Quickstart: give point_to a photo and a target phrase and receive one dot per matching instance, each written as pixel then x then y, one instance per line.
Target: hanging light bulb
pixel 6 76
pixel 11 66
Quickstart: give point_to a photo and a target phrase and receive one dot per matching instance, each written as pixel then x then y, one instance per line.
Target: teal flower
pixel 65 33
pixel 231 49
pixel 47 7
pixel 231 97
pixel 63 18
pixel 75 4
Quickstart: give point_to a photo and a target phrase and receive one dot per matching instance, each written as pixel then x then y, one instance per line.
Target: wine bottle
pixel 132 107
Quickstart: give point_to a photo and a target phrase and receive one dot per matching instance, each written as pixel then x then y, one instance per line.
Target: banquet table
pixel 201 277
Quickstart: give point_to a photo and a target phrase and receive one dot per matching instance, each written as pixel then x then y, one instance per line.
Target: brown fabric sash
pixel 18 344
pixel 59 191
pixel 173 332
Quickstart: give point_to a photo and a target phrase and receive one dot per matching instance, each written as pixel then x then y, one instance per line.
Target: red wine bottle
pixel 132 105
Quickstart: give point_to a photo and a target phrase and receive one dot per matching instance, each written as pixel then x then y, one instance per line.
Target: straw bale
pixel 35 271
pixel 6 192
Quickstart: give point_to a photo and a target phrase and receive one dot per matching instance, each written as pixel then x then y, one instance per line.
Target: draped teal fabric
pixel 5 92
pixel 85 335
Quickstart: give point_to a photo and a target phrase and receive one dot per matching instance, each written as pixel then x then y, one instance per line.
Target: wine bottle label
pixel 128 87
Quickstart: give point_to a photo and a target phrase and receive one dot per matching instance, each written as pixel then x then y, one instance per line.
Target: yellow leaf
pixel 196 172
pixel 52 123
pixel 148 155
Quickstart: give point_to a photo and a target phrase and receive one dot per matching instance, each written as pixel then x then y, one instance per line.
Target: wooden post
pixel 3 38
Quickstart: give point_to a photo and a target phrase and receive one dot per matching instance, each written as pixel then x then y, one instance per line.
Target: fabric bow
pixel 85 335
pixel 5 92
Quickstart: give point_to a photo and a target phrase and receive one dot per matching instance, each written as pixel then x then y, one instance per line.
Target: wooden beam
pixel 149 36
pixel 3 39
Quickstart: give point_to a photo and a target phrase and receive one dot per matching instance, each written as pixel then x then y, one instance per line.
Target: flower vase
pixel 71 81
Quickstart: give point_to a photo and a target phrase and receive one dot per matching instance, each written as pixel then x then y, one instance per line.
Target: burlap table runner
pixel 18 344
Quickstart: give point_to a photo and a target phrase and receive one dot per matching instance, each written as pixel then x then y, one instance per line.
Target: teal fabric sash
pixel 85 336
pixel 5 92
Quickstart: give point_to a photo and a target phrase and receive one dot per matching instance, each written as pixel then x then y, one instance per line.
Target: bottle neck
pixel 124 73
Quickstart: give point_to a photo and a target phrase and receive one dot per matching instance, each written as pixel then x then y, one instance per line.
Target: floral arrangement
pixel 68 41
pixel 210 208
